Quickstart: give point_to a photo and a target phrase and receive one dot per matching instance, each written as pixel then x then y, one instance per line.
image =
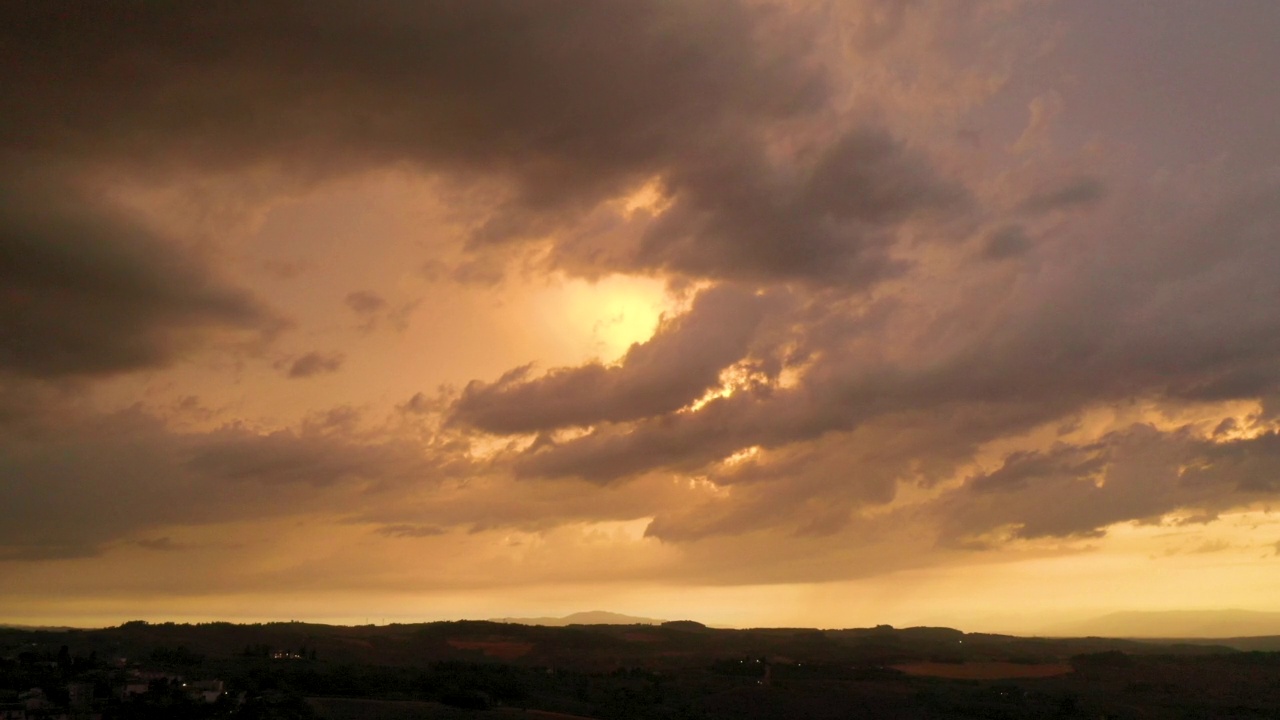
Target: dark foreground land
pixel 494 671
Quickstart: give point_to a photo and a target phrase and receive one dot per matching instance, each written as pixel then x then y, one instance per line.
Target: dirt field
pixel 358 709
pixel 983 670
pixel 343 709
pixel 501 649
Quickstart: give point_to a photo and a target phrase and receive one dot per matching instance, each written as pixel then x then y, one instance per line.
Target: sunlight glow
pixel 603 318
pixel 742 455
pixel 701 483
pixel 738 376
pixel 649 198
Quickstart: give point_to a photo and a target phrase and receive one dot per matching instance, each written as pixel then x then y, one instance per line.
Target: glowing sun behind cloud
pixel 602 319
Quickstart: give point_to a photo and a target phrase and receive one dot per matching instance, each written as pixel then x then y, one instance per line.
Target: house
pixel 35 700
pixel 207 690
pixel 131 688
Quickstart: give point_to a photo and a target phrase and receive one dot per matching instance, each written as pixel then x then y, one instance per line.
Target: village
pixel 37 684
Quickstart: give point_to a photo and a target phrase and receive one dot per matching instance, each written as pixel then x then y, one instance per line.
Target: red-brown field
pixel 365 709
pixel 501 649
pixel 984 670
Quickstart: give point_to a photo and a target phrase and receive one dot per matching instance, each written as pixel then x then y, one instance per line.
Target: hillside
pixel 681 669
pixel 602 647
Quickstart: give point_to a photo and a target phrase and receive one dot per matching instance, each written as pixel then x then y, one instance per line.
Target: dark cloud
pixel 410 531
pixel 678 365
pixel 36 550
pixel 160 544
pixel 92 480
pixel 400 316
pixel 735 214
pixel 85 290
pixel 568 99
pixel 284 269
pixel 438 402
pixel 1005 242
pixel 373 310
pixel 1136 474
pixel 810 488
pixel 687 441
pixel 570 102
pixel 282 457
pixel 365 302
pixel 1160 300
pixel 315 363
pixel 1081 191
pixel 1249 466
pixel 1068 491
pixel 875 23
pixel 1021 468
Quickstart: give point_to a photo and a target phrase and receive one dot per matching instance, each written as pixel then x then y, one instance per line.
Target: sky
pixel 755 312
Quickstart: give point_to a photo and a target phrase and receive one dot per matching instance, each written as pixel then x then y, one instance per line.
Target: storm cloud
pixel 678 365
pixel 645 89
pixel 89 291
pixel 95 481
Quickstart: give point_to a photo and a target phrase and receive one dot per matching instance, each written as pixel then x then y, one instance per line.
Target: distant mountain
pixel 593 617
pixel 1175 624
pixel 1255 643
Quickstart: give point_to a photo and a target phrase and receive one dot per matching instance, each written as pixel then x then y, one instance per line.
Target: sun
pixel 601 319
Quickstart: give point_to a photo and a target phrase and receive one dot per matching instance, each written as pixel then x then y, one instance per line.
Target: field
pixel 363 709
pixel 984 670
pixel 500 649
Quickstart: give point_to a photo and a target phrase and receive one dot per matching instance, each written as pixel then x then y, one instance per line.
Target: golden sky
pixel 751 312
